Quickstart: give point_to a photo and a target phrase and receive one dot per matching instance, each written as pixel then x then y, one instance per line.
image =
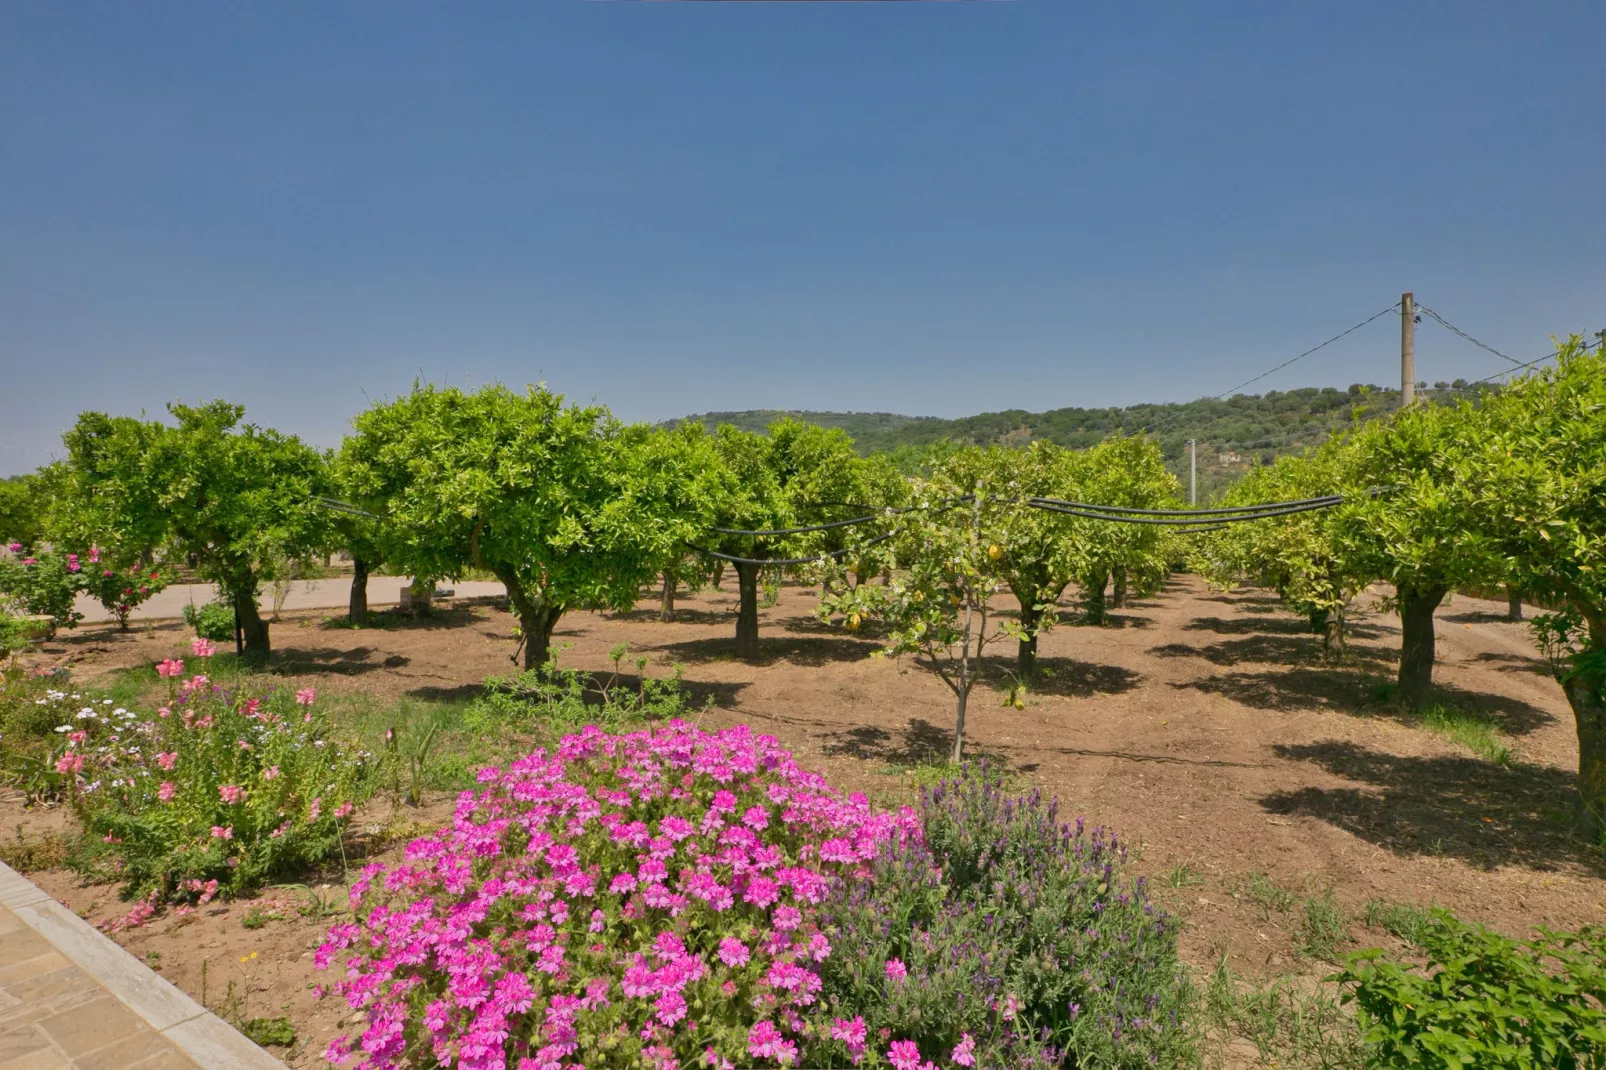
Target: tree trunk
pixel 1093 595
pixel 1416 648
pixel 536 621
pixel 666 607
pixel 358 613
pixel 1513 604
pixel 719 573
pixel 1026 656
pixel 958 753
pixel 253 629
pixel 1586 694
pixel 1118 598
pixel 747 612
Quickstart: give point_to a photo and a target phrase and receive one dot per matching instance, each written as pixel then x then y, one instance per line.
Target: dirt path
pixel 1203 727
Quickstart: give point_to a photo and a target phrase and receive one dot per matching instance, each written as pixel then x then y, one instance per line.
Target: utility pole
pixel 1407 350
pixel 1193 472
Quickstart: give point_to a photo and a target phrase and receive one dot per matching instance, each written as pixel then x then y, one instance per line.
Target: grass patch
pixel 1289 1025
pixel 1473 731
pixel 1181 875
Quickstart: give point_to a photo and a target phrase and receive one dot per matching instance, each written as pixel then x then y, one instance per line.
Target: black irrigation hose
pixel 338 506
pixel 797 531
pixel 781 562
pixel 1179 521
pixel 1201 513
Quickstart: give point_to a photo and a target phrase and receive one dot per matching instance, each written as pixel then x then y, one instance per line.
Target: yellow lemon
pixel 1020 704
pixel 994 552
pixel 853 623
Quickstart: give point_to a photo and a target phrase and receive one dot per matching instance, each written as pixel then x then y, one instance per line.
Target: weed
pixel 1404 920
pixel 1181 875
pixel 1265 893
pixel 257 917
pixel 1323 928
pixel 26 854
pixel 275 1032
pixel 1289 1026
pixel 1470 730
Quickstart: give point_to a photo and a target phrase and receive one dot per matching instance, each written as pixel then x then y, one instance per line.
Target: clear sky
pixel 927 208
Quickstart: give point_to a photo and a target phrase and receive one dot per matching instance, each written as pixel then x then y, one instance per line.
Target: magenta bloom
pixel 733 952
pixel 904 1055
pixel 167 759
pixel 896 970
pixel 230 792
pixel 964 1051
pixel 170 668
pixel 203 648
pixel 222 832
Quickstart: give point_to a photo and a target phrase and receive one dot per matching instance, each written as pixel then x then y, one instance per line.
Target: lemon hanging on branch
pixel 995 551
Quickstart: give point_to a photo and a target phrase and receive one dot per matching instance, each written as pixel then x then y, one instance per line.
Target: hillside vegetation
pixel 1233 433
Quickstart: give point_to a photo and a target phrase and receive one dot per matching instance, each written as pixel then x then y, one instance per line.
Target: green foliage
pixel 1323 927
pixel 212 620
pixel 238 498
pixel 24 505
pixel 1020 931
pixel 1408 922
pixel 1483 1000
pixel 214 787
pixel 567 507
pixel 121 588
pixel 1267 895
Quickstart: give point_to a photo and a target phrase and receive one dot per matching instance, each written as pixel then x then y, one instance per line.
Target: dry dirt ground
pixel 1202 726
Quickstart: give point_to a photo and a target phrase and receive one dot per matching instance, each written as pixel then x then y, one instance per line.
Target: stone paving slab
pixel 71 998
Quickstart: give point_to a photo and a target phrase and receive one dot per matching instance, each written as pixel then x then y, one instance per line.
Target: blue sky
pixel 930 208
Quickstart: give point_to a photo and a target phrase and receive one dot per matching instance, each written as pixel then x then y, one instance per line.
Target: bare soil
pixel 1203 727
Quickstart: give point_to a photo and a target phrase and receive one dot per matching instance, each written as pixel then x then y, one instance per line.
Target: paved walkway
pixel 71 998
pixel 304 594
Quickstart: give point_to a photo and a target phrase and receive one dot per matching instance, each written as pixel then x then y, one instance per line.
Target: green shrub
pixel 554 702
pixel 214 620
pixel 43 583
pixel 215 787
pixel 1011 928
pixel 1484 1000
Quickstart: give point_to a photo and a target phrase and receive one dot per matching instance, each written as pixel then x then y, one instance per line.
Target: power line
pixel 1529 364
pixel 1447 325
pixel 1228 393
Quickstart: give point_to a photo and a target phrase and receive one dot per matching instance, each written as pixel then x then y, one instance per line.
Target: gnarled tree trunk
pixel 747 611
pixel 358 613
pixel 536 621
pixel 1417 605
pixel 253 629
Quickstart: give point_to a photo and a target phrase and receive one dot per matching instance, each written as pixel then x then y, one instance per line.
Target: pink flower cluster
pixel 650 896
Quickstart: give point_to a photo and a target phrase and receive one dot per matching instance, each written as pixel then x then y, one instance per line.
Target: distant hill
pixel 1232 432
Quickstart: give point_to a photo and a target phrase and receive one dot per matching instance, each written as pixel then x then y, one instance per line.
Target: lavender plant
pixel 1005 938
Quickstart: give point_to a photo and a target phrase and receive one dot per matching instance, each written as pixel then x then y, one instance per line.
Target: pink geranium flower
pixel 230 793
pixel 306 696
pixel 167 791
pixel 169 668
pixel 203 648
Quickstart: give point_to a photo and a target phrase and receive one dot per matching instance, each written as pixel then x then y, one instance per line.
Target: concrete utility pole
pixel 1193 472
pixel 1407 350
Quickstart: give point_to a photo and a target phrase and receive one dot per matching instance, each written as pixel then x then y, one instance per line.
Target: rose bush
pixel 215 786
pixel 44 583
pixel 120 590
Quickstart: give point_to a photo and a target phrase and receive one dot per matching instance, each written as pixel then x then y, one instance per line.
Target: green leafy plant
pixel 211 620
pixel 1483 1000
pixel 1470 730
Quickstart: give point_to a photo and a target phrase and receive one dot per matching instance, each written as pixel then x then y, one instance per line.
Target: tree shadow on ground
pixel 1076 618
pixel 1514 663
pixel 1256 601
pixel 1273 649
pixel 456 614
pixel 1476 616
pixel 919 743
pixel 805 651
pixel 335 661
pixel 1482 813
pixel 1259 625
pixel 1072 678
pixel 1360 694
pixel 810 625
pixel 682 616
